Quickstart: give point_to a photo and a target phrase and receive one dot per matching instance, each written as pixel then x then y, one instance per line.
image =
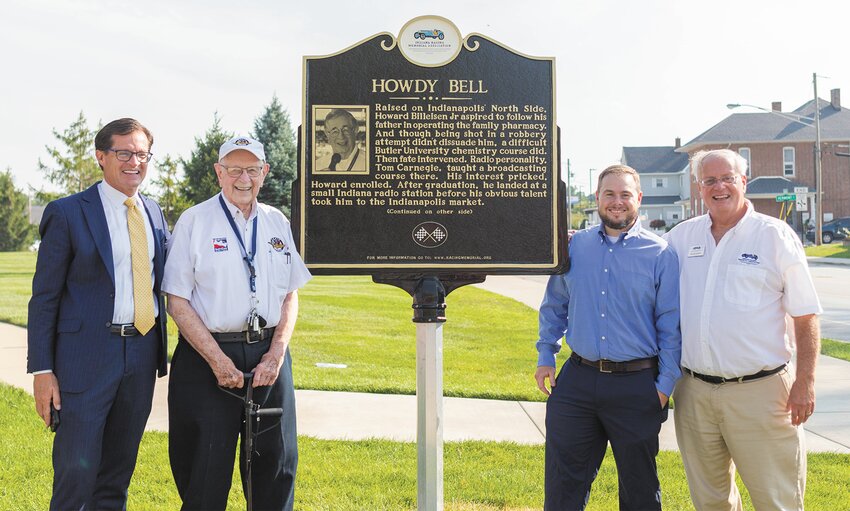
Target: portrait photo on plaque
pixel 341 139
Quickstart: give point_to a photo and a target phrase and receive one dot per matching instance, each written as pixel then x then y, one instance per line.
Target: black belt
pixel 127 330
pixel 244 336
pixel 609 366
pixel 719 379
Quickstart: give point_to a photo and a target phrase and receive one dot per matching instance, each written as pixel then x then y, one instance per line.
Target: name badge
pixel 696 251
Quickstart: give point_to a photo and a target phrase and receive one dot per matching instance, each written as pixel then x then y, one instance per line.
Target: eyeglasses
pixel 237 171
pixel 711 181
pixel 346 130
pixel 123 155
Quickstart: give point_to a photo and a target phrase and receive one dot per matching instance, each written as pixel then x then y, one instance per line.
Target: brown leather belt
pixel 717 380
pixel 609 366
pixel 243 336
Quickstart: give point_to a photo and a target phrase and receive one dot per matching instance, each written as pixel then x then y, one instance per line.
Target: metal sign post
pixel 429 308
pixel 429 425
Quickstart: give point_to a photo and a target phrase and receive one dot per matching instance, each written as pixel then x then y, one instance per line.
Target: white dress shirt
pixel 119 233
pixel 205 264
pixel 735 294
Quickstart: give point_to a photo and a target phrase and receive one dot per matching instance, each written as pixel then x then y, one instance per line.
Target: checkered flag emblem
pixel 430 234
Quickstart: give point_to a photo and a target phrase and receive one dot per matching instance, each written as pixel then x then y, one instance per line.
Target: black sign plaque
pixel 429 152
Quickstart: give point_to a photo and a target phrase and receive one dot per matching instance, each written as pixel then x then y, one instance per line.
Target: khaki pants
pixel 743 425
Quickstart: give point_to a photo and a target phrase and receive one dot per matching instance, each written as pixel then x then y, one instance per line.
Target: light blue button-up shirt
pixel 619 301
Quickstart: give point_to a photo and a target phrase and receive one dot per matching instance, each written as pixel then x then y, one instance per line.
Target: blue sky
pixel 628 73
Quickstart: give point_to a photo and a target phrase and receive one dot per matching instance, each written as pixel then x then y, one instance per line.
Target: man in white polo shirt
pixel 231 279
pixel 741 403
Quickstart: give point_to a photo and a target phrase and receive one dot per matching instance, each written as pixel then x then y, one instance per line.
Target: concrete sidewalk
pixel 356 416
pixel 828 429
pixel 829 260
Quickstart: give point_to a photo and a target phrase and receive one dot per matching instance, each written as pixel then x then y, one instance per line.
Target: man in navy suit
pixel 89 361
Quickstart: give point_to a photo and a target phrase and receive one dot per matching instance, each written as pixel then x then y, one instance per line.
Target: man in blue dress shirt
pixel 619 308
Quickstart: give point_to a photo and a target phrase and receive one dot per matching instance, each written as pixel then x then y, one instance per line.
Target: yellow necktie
pixel 142 286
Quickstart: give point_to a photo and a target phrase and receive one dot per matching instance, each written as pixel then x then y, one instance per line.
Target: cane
pixel 253 412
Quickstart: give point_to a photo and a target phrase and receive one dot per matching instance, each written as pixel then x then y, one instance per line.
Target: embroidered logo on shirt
pixel 219 244
pixel 277 244
pixel 749 259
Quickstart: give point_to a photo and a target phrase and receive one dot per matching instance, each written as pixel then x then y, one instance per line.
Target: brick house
pixel 780 152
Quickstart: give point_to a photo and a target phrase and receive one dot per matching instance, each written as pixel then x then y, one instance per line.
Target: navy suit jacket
pixel 73 291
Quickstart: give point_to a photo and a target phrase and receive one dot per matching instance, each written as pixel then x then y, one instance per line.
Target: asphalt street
pixel 833 285
pixel 832 282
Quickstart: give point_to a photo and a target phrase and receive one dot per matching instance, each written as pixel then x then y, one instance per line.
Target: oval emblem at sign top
pixel 430 234
pixel 429 41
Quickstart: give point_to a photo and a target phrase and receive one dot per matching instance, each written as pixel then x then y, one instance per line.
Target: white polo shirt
pixel 735 295
pixel 205 264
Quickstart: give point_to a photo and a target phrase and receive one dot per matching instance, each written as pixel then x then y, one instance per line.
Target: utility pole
pixel 590 180
pixel 818 168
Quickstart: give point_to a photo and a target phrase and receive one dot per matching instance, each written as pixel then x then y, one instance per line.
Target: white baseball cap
pixel 243 143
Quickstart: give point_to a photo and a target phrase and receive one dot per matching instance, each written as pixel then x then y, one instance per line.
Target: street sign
pixel 787 197
pixel 801 189
pixel 802 203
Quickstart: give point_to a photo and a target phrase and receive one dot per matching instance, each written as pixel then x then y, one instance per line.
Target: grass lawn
pixel 368 475
pixel 16 270
pixel 832 250
pixel 835 349
pixel 488 340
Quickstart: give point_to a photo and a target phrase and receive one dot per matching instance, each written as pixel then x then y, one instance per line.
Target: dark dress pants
pixel 95 449
pixel 204 424
pixel 588 409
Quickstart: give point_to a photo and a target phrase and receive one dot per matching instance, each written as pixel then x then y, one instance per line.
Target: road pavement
pixel 833 284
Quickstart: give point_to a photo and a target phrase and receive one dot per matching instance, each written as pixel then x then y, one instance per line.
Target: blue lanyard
pixel 252 273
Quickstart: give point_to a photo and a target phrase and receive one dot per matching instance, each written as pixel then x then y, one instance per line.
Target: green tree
pixel 200 183
pixel 168 194
pixel 76 168
pixel 581 201
pixel 16 233
pixel 274 129
pixel 42 196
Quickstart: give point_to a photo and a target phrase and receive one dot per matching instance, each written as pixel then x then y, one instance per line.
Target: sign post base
pixel 429 314
pixel 429 425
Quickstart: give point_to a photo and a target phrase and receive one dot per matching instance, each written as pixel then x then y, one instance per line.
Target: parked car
pixel 837 229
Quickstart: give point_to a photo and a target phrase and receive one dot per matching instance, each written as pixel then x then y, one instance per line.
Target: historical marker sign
pixel 429 152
